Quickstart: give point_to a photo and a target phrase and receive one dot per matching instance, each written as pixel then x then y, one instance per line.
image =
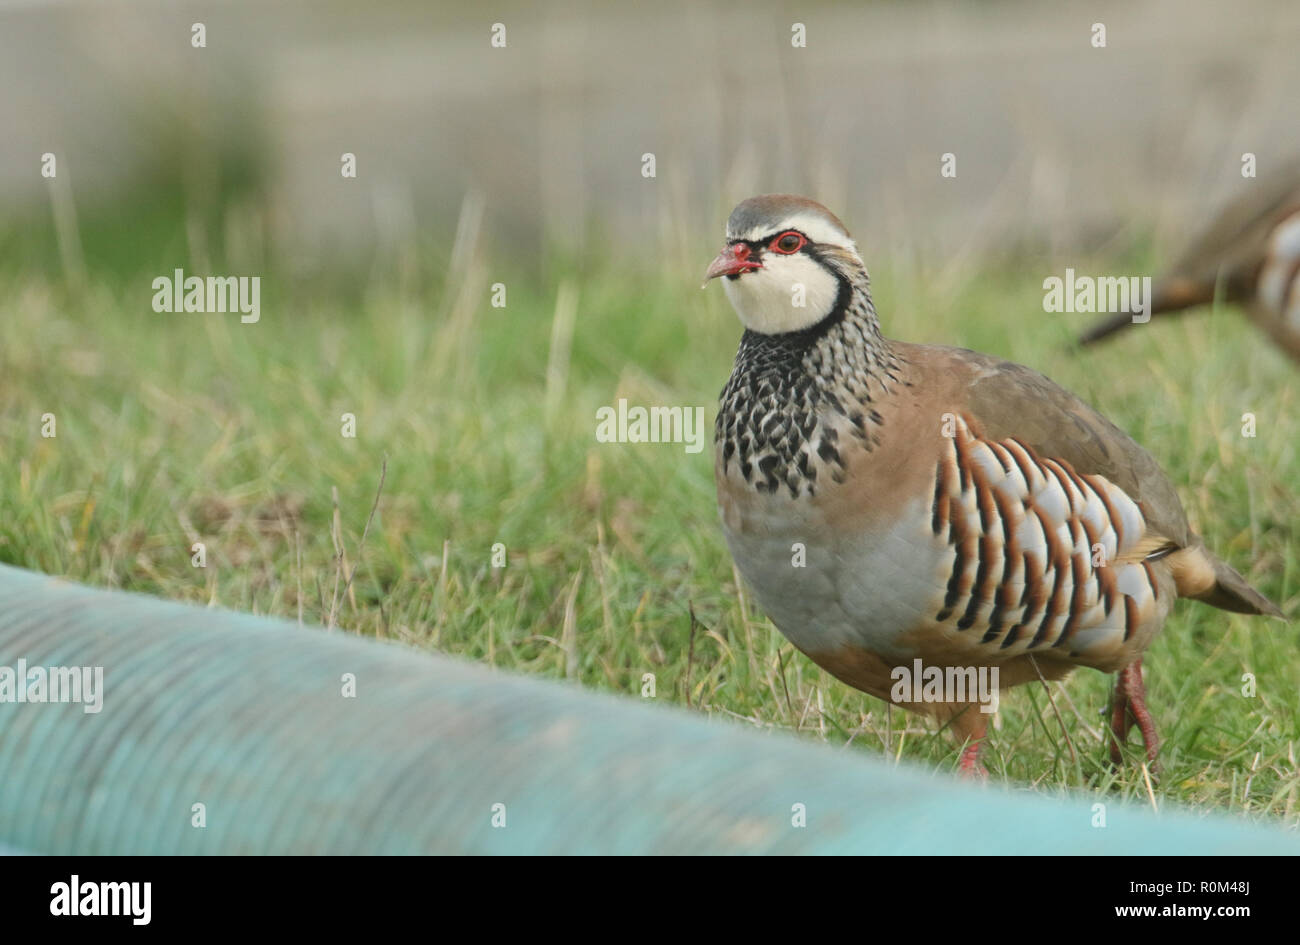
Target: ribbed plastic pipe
pixel 247 717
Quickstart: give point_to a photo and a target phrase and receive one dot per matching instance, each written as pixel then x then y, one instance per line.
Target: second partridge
pixel 1250 254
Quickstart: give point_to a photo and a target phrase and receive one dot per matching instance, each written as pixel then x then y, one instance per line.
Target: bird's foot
pixel 970 767
pixel 1128 707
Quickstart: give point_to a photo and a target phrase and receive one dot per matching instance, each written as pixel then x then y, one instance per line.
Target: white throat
pixel 788 294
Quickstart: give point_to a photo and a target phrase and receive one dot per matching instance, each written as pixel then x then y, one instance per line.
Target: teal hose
pixel 246 716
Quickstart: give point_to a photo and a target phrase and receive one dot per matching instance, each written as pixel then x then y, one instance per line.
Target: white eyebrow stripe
pixel 813 226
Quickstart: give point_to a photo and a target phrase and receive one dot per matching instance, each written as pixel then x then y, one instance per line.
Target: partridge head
pixel 955 512
pixel 796 257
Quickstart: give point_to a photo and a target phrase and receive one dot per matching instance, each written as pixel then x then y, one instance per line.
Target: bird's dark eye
pixel 788 242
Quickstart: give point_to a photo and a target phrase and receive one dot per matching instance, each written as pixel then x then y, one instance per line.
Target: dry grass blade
pixel 690 651
pixel 383 475
pixel 1074 758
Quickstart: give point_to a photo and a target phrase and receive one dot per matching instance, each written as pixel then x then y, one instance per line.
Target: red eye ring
pixel 791 241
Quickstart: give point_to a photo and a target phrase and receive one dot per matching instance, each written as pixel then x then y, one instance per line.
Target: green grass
pixel 174 429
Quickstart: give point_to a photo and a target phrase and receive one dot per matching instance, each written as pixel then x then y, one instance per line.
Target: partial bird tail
pixel 1171 295
pixel 1105 328
pixel 1202 576
pixel 1232 592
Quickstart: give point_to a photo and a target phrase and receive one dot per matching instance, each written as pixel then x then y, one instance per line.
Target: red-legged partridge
pixel 1252 249
pixel 945 506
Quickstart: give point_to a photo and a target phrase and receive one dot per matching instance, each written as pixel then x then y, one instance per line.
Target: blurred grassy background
pixel 525 169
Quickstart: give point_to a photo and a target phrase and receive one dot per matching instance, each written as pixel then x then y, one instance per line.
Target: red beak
pixel 732 261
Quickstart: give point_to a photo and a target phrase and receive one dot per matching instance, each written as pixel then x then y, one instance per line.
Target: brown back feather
pixel 1009 400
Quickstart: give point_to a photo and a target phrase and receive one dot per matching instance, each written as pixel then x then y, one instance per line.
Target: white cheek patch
pixel 788 294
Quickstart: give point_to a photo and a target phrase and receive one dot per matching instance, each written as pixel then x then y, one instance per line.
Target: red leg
pixel 1137 699
pixel 1129 706
pixel 970 766
pixel 1119 718
pixel 973 724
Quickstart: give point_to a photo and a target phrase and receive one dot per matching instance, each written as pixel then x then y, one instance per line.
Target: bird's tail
pixel 1231 592
pixel 1202 576
pixel 1171 295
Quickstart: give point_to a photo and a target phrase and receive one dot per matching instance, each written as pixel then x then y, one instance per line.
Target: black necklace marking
pixel 790 395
